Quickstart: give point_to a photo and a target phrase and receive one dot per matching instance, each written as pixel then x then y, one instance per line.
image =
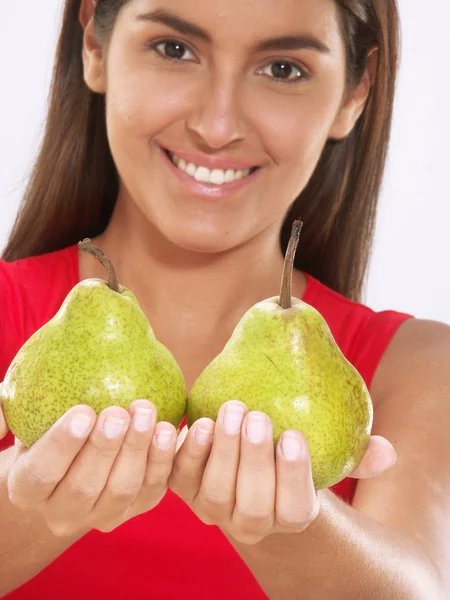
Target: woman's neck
pixel 193 301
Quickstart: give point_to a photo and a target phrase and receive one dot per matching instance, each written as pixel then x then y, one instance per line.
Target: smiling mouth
pixel 209 176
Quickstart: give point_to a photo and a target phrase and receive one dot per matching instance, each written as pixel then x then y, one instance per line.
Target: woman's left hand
pixel 229 475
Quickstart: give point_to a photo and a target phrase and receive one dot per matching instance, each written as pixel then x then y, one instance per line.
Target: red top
pixel 166 553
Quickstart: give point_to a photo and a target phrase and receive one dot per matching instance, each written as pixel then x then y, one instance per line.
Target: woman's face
pixel 208 80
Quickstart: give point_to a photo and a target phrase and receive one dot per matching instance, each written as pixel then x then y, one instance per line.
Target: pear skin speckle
pixel 286 363
pixel 98 350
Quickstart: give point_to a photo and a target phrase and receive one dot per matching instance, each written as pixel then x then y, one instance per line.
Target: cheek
pixel 139 105
pixel 132 113
pixel 295 133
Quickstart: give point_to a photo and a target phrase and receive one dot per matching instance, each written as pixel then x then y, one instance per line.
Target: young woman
pixel 185 138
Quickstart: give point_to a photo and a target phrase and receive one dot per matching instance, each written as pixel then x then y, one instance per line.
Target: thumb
pixel 380 456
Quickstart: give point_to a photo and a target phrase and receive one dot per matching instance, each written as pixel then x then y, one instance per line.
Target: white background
pixel 410 268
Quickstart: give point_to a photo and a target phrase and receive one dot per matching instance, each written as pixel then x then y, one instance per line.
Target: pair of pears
pixel 100 350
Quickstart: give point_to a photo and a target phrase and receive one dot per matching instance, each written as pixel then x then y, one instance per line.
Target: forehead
pixel 244 22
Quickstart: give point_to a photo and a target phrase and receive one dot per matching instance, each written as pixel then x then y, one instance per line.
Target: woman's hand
pixel 91 472
pixel 228 474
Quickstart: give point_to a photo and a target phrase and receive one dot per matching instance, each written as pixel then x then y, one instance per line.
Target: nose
pixel 217 117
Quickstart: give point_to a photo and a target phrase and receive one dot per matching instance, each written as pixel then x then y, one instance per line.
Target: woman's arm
pixel 26 543
pixel 82 474
pixel 395 541
pixel 343 554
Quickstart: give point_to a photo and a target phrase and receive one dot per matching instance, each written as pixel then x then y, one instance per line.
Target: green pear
pixel 98 350
pixel 282 359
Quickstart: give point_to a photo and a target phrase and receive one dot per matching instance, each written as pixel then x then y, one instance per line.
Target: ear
pixel 355 101
pixel 93 63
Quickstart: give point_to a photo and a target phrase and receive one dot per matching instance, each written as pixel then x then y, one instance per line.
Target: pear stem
pixel 286 280
pixel 86 246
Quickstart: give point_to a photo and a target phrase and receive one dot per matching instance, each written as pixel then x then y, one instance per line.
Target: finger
pixel 297 504
pixel 255 490
pixel 380 456
pixel 3 425
pixel 128 471
pixel 77 493
pixel 159 466
pixel 217 495
pixel 35 475
pixel 190 462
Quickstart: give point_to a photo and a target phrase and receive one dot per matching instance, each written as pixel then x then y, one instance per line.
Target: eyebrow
pixel 288 42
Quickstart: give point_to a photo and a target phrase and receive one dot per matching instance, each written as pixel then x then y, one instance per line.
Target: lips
pixel 209 163
pixel 198 188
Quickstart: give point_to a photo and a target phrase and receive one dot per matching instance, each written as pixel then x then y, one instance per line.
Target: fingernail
pixel 113 427
pixel 142 418
pixel 232 418
pixel 203 432
pixel 164 438
pixel 80 424
pixel 291 446
pixel 256 428
pixel 391 459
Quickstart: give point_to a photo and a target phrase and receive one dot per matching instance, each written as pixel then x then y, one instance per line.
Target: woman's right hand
pixel 90 472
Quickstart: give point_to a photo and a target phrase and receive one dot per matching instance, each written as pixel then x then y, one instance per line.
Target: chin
pixel 203 244
pixel 201 239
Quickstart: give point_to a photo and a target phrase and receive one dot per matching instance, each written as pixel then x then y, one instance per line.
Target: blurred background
pixel 409 269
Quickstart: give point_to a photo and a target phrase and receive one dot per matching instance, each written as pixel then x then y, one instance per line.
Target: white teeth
pixel 190 169
pixel 217 176
pixel 229 175
pixel 204 175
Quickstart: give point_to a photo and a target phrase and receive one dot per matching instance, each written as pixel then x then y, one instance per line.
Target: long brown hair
pixel 74 183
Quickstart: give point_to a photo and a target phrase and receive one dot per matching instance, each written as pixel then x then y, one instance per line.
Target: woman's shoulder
pixel 31 291
pixel 34 280
pixel 41 264
pixel 362 333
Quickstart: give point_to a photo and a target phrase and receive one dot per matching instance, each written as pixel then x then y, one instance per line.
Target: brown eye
pixel 284 71
pixel 171 49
